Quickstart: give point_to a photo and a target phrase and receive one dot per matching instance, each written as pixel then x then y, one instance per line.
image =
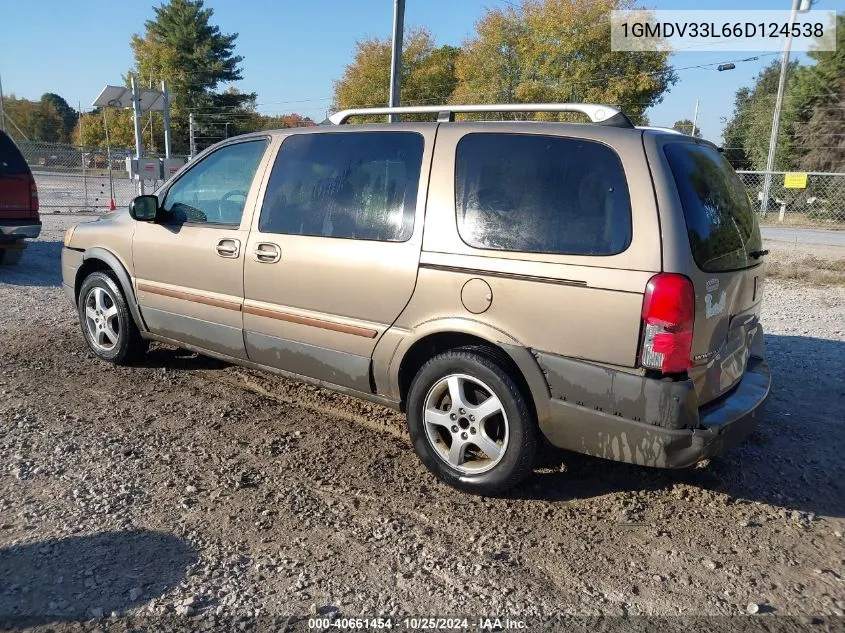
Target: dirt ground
pixel 188 494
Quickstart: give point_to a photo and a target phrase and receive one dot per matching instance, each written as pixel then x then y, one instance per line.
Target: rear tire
pixel 470 424
pixel 107 324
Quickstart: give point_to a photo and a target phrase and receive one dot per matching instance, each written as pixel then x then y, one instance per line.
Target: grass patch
pixel 810 269
pixel 834 220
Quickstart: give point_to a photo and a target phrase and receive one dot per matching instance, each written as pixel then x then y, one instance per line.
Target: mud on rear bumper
pixel 628 418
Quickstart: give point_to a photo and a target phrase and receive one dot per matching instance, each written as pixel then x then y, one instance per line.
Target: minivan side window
pixel 541 194
pixel 214 190
pixel 355 185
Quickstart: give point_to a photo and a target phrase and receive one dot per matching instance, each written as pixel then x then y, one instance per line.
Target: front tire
pixel 470 424
pixel 107 324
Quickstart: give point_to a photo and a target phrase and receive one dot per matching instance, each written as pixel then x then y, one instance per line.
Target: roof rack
pixel 658 128
pixel 600 114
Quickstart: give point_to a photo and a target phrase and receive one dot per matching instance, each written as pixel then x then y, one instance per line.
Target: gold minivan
pixel 598 283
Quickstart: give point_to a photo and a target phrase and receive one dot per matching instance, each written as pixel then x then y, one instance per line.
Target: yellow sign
pixel 795 180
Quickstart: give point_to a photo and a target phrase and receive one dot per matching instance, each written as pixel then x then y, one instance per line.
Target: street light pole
pixel 694 118
pixel 396 56
pixel 797 5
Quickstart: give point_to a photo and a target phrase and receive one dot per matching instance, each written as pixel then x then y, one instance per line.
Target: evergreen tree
pixel 751 123
pixel 183 47
pixel 736 131
pixel 820 104
pixel 821 139
pixel 68 115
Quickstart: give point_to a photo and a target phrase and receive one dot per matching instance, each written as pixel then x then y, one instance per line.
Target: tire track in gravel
pixel 330 416
pixel 387 421
pixel 366 518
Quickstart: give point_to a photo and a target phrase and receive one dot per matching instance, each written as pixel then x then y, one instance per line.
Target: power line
pixel 706 66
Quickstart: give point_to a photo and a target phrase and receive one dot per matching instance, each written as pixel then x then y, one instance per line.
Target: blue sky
pixel 294 50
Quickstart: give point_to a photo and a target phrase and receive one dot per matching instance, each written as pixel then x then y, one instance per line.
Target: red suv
pixel 18 202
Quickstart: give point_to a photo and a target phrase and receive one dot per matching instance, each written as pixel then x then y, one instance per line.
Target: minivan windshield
pixel 721 225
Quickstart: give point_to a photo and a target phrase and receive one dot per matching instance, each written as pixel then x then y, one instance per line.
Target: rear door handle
pixel 229 248
pixel 267 253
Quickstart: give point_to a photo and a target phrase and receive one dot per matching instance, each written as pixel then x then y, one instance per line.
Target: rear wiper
pixel 758 254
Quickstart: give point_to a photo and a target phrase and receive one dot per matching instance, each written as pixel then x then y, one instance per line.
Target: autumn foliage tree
pixel 91 129
pixel 558 51
pixel 428 72
pixel 539 50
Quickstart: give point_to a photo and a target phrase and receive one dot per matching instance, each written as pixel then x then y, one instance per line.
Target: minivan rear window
pixel 721 225
pixel 12 162
pixel 541 194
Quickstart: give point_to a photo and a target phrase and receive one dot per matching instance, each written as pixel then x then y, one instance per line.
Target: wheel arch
pixel 517 359
pixel 99 259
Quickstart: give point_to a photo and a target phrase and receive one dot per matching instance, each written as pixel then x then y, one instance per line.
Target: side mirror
pixel 144 208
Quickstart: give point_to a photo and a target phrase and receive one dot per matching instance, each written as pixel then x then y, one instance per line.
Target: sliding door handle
pixel 267 253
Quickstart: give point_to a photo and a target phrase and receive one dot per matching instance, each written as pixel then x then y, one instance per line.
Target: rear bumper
pixel 642 421
pixel 19 229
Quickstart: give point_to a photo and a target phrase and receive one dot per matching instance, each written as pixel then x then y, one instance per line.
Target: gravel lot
pixel 186 493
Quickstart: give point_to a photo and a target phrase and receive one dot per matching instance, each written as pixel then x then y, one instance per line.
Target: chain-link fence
pixel 817 200
pixel 72 179
pixel 80 179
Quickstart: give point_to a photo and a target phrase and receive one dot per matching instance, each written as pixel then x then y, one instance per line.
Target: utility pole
pixel 192 147
pixel 797 5
pixel 165 97
pixel 2 113
pixel 136 117
pixel 694 118
pixel 396 56
pixel 108 158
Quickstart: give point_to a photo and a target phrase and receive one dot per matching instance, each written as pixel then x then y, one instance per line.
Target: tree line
pixel 528 51
pixel 539 50
pixel 50 118
pixel 182 46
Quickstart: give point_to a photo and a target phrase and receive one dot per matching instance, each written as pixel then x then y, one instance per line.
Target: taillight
pixel 668 315
pixel 33 197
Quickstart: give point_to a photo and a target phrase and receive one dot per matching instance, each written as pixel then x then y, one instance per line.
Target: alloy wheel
pixel 466 423
pixel 101 319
